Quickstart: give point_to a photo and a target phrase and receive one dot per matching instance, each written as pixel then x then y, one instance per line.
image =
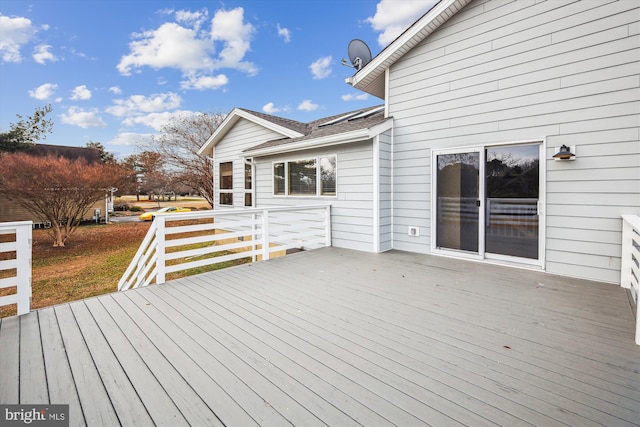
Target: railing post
pixel 265 235
pixel 160 221
pixel 625 260
pixel 254 236
pixel 23 269
pixel 630 263
pixel 327 225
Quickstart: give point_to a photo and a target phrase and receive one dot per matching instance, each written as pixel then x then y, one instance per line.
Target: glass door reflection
pixel 457 193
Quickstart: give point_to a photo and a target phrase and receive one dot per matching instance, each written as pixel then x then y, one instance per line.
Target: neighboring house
pixel 478 97
pixel 11 211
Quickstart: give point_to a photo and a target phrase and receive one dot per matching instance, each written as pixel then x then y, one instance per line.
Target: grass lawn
pixel 94 259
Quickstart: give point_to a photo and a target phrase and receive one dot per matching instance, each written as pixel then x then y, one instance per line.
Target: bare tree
pixel 179 143
pixel 56 189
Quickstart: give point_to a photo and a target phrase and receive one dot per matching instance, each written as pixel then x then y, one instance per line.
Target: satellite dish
pixel 359 54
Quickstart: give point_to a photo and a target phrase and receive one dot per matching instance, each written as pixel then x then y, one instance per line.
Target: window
pixel 248 183
pixel 226 183
pixel 302 178
pixel 328 176
pixel 309 177
pixel 278 179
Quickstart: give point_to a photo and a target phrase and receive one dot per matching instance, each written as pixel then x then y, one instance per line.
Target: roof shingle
pixel 326 126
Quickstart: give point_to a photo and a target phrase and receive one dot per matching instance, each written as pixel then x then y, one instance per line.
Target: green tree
pixel 24 134
pixel 105 156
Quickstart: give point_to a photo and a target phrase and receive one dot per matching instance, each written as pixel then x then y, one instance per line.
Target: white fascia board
pixel 399 46
pixel 326 141
pixel 233 118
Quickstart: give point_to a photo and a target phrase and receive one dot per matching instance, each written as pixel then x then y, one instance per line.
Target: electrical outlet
pixel 414 231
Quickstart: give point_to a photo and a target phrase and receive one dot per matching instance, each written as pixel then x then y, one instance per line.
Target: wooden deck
pixel 339 338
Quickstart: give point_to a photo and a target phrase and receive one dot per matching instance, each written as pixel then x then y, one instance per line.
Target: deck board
pixel 10 360
pixel 33 381
pixel 94 400
pixel 339 338
pixel 160 407
pixel 125 400
pixel 162 356
pixel 61 386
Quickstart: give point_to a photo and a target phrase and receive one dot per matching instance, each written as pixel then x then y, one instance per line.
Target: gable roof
pixel 341 128
pixel 371 78
pixel 287 128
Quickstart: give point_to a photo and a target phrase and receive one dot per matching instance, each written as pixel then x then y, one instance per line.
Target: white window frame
pixel 318 193
pixel 226 190
pixel 542 191
pixel 250 163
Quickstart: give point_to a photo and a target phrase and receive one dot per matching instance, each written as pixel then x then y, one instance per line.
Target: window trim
pixel 248 191
pixel 221 190
pixel 318 192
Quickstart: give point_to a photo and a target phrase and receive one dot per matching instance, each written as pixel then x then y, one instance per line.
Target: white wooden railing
pixel 15 263
pixel 182 241
pixel 630 267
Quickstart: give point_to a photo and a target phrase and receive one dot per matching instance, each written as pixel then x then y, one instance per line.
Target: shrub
pixel 136 209
pixel 121 206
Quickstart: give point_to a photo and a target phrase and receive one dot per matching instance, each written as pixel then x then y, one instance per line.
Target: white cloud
pixel 184 46
pixel 41 54
pixel 115 90
pixel 155 121
pixel 307 105
pixel 140 104
pixel 128 139
pixel 16 32
pixel 284 33
pixel 393 17
pixel 192 19
pixel 204 82
pixel 43 92
pixel 81 93
pixel 228 27
pixel 270 108
pixel 357 97
pixel 172 46
pixel 77 116
pixel 153 111
pixel 321 68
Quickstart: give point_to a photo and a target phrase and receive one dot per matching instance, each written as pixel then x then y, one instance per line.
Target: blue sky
pixel 115 71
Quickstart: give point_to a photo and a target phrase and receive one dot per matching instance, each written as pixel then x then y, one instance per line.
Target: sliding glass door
pixel 486 201
pixel 457 201
pixel 513 188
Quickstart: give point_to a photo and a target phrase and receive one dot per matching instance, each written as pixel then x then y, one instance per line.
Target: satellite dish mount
pixel 359 54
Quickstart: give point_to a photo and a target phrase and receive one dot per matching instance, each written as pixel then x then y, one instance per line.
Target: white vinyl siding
pixel 498 72
pixel 351 208
pixel 243 135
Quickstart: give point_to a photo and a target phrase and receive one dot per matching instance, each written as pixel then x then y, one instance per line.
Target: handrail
pixel 136 268
pixel 22 247
pixel 187 240
pixel 630 265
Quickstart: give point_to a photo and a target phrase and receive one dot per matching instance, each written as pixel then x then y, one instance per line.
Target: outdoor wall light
pixel 565 153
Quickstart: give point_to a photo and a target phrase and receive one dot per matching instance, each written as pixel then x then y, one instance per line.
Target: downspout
pixel 392 149
pixel 376 193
